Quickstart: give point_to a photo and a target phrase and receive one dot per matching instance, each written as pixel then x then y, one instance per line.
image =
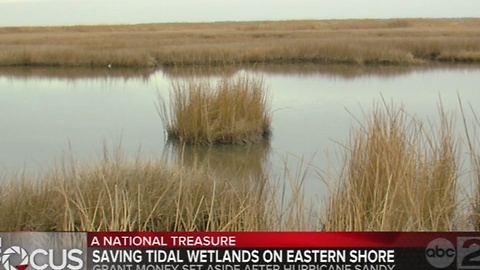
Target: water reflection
pixel 234 162
pixel 72 74
pixel 337 71
pixel 200 71
pixel 340 71
pixel 314 107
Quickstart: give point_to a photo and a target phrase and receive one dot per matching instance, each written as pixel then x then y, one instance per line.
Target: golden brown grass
pixel 398 176
pixel 116 194
pixel 404 41
pixel 119 195
pixel 234 111
pixel 472 140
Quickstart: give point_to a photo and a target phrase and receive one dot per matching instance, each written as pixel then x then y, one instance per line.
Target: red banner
pixel 268 239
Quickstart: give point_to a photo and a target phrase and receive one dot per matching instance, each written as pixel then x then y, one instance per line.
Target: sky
pixel 88 12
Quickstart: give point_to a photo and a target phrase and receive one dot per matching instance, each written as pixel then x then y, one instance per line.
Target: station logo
pixel 18 251
pixel 17 258
pixel 440 253
pixel 468 249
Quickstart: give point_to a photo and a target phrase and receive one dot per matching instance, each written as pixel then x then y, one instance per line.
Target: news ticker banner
pixel 239 250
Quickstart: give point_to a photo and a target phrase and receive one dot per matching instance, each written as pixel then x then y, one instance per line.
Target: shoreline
pixel 351 42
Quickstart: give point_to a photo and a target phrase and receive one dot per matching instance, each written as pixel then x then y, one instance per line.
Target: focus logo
pixel 440 253
pixel 17 258
pixel 15 250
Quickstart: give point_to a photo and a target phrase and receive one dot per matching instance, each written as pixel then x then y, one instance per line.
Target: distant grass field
pixel 371 42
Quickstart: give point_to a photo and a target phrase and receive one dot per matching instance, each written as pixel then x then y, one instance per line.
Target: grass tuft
pixel 234 111
pixel 397 176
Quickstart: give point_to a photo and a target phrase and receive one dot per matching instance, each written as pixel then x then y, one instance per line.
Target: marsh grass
pixel 472 140
pixel 120 195
pixel 397 176
pixel 359 42
pixel 116 194
pixel 233 111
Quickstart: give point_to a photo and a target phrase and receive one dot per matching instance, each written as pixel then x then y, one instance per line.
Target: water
pixel 46 114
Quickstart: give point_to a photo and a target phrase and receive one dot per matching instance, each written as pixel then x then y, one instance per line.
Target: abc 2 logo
pixel 441 253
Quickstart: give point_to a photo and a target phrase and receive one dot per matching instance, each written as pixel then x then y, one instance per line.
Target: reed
pixel 234 111
pixel 371 42
pixel 397 176
pixel 120 195
pixel 472 140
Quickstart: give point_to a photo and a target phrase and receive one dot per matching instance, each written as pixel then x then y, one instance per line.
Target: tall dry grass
pixel 120 195
pixel 404 41
pixel 234 111
pixel 117 194
pixel 472 140
pixel 398 176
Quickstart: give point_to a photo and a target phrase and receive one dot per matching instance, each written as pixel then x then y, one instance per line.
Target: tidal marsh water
pixel 48 115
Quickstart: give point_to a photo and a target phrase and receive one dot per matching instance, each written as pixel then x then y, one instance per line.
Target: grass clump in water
pixel 233 111
pixel 396 177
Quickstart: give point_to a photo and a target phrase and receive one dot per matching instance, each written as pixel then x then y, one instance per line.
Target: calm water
pixel 48 113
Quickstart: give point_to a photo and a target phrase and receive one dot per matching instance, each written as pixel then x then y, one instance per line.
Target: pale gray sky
pixel 73 12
